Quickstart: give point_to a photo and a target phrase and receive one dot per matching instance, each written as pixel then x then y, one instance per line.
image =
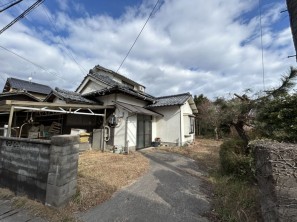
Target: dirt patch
pixel 99 176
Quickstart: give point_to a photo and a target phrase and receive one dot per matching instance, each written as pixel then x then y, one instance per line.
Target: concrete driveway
pixel 170 191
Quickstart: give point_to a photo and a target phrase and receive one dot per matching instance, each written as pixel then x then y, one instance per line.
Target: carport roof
pixel 6 105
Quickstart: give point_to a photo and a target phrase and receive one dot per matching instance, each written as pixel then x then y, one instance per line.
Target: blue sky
pixel 210 47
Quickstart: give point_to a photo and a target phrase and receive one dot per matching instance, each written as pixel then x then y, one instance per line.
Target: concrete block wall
pixel 62 175
pixel 276 172
pixel 42 170
pixel 24 165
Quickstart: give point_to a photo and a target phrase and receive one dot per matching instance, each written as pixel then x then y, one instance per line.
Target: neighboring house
pixel 18 95
pixel 140 118
pixel 35 89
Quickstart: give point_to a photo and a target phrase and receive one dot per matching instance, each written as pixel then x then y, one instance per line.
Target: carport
pixel 46 109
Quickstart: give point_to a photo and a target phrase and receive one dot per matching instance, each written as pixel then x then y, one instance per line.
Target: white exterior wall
pixel 167 127
pixel 57 100
pixel 91 85
pixel 131 100
pixel 108 100
pixel 186 136
pixel 174 127
pixel 120 131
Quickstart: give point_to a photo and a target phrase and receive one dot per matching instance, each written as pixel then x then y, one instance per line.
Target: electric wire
pixel 51 20
pixel 7 3
pixel 35 64
pixel 262 48
pixel 10 5
pixel 27 11
pixel 150 15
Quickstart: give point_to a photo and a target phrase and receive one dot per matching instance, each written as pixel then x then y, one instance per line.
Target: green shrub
pixel 233 160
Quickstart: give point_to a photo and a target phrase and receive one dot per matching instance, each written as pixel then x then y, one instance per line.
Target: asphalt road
pixel 170 191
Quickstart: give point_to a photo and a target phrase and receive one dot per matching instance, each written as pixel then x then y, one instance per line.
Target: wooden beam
pixel 10 121
pixel 104 123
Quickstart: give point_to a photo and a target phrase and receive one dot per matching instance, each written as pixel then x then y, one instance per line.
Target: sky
pixel 197 46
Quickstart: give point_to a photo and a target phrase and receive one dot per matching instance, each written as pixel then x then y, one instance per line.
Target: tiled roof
pixel 69 97
pixel 122 89
pixel 117 74
pixel 173 100
pixel 28 86
pixel 16 96
pixel 137 109
pixel 105 78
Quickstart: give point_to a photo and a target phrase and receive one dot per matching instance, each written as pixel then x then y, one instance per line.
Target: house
pixel 139 118
pixel 37 90
pixel 114 109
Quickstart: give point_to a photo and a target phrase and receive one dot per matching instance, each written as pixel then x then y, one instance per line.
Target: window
pixel 192 124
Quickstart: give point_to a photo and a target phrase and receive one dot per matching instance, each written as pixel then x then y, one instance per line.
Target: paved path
pixel 170 191
pixel 9 214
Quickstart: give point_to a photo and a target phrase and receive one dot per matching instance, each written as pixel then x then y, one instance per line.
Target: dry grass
pixel 233 200
pixel 204 151
pixel 99 176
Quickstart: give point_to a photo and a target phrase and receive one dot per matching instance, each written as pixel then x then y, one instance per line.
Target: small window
pixel 192 124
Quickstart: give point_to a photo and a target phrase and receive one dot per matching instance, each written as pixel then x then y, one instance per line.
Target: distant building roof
pixel 68 97
pixel 121 89
pixel 292 9
pixel 172 100
pixel 18 95
pixel 26 86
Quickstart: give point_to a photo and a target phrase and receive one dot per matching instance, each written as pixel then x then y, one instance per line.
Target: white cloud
pixel 207 47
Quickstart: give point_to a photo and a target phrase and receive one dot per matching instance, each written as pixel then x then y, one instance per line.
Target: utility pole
pixel 292 9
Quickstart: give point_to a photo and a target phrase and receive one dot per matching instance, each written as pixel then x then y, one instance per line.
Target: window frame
pixel 192 125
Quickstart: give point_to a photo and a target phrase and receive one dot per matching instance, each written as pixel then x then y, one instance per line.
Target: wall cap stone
pixel 272 144
pixel 27 140
pixel 62 140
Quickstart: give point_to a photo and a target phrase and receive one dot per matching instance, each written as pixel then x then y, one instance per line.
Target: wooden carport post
pixel 10 121
pixel 104 123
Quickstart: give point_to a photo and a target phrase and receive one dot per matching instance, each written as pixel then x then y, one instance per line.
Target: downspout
pixel 126 133
pixel 180 135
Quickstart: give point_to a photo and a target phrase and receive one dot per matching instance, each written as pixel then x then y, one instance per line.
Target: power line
pixel 262 49
pixel 9 6
pixel 51 20
pixel 7 3
pixel 35 64
pixel 27 11
pixel 138 35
